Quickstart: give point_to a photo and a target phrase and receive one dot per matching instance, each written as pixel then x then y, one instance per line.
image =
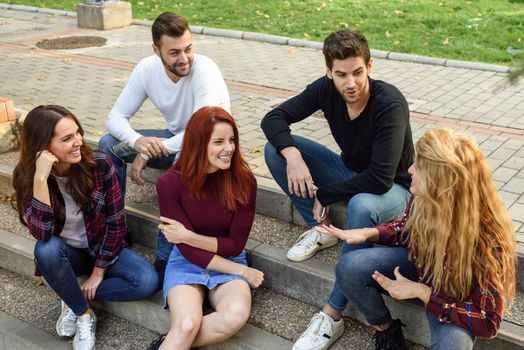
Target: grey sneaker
pixel 309 243
pixel 66 324
pixel 85 332
pixel 321 333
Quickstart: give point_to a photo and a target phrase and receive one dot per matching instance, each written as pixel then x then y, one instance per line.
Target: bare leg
pixel 232 302
pixel 332 312
pixel 185 309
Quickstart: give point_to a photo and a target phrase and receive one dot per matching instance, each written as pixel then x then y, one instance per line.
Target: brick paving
pixel 259 76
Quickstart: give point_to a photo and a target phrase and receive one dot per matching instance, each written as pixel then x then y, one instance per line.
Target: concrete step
pixel 28 315
pixel 16 255
pixel 309 282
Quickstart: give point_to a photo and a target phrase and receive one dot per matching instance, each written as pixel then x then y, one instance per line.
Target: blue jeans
pixel 129 278
pixel 327 167
pixel 121 154
pixel 353 273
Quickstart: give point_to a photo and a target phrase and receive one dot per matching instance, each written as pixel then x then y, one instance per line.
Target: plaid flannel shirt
pixel 481 313
pixel 104 220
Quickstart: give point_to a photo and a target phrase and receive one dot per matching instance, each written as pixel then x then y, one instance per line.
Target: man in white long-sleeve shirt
pixel 178 82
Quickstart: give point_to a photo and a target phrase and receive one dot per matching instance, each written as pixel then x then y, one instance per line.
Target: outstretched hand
pixel 353 236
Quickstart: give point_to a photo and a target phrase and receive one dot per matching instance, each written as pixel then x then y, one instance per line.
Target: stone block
pixel 7 110
pixel 266 38
pixel 8 137
pixel 110 15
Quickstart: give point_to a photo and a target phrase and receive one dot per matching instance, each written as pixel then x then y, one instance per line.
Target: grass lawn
pixel 472 30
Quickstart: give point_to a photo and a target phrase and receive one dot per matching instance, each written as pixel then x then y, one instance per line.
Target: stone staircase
pixel 306 283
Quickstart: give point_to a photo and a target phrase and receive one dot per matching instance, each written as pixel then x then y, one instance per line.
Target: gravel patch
pixel 289 317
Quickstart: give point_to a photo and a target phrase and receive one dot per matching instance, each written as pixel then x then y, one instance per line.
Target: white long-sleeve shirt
pixel 204 86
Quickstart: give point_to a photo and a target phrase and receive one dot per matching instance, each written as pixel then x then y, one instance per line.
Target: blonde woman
pixel 454 249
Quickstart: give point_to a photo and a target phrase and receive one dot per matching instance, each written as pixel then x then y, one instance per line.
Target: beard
pixel 176 71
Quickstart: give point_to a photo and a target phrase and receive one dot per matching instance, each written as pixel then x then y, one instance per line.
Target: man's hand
pixel 403 288
pixel 151 146
pixel 90 285
pixel 174 231
pixel 138 165
pixel 299 180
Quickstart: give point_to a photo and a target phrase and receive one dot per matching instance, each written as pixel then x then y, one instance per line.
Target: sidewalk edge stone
pixel 281 40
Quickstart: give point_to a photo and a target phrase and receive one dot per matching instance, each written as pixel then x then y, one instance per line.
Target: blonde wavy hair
pixel 459 230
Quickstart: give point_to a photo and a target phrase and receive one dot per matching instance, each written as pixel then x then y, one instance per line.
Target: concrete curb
pixel 281 40
pixel 16 334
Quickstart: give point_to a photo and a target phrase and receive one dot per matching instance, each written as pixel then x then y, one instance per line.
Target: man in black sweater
pixel 369 120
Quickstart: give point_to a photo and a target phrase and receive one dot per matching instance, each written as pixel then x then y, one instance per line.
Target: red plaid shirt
pixel 481 313
pixel 104 220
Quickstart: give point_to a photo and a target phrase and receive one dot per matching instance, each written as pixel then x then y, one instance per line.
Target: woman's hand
pixel 354 236
pixel 44 163
pixel 174 231
pixel 253 276
pixel 402 288
pixel 90 285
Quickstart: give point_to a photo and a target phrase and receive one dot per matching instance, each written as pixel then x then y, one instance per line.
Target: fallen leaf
pixel 250 97
pixel 257 150
pixel 396 42
pixel 66 60
pixel 446 41
pixel 292 50
pixel 38 282
pixel 98 133
pixel 42 77
pixel 387 34
pixel 27 99
pixel 399 13
pixel 306 35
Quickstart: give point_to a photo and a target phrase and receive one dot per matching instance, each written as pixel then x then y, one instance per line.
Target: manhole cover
pixel 71 42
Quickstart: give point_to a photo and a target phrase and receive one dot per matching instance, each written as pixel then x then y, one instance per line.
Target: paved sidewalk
pixel 259 76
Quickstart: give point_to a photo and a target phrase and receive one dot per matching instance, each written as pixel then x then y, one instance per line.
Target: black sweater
pixel 377 145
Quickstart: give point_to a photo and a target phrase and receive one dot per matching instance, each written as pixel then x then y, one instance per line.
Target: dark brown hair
pixel 170 24
pixel 236 182
pixel 36 134
pixel 345 43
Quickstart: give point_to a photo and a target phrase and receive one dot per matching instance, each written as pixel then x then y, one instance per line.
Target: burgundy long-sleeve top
pixel 480 313
pixel 206 217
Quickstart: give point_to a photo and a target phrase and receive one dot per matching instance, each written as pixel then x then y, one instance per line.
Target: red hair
pixel 236 182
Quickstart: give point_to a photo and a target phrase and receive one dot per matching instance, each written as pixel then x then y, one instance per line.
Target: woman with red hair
pixel 207 207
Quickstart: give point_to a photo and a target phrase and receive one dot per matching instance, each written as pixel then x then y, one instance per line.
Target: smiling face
pixel 415 186
pixel 176 54
pixel 221 147
pixel 350 77
pixel 65 145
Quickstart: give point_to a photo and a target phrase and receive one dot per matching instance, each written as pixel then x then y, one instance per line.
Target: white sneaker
pixel 66 324
pixel 85 332
pixel 320 334
pixel 309 243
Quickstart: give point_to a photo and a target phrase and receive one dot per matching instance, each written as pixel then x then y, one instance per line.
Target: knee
pixel 49 251
pixel 271 155
pixel 106 143
pixel 352 270
pixel 147 282
pixel 186 326
pixel 235 317
pixel 362 212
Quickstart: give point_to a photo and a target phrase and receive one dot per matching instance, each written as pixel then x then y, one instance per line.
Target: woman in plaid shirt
pixel 68 197
pixel 454 249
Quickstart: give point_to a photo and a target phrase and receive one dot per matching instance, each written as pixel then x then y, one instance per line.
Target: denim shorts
pixel 180 271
